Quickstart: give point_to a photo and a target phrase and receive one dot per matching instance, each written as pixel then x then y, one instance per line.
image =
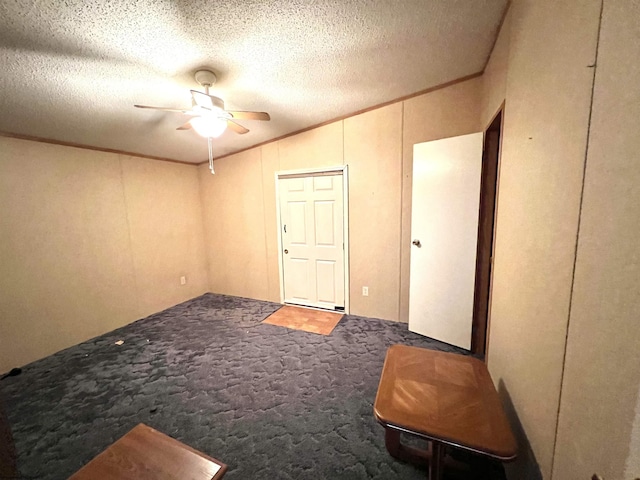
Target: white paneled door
pixel 445 206
pixel 312 232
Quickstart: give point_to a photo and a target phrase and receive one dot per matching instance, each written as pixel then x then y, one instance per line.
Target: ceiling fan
pixel 209 117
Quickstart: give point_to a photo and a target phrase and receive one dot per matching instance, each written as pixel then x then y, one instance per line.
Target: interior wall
pixel 632 466
pixel 445 113
pixel 233 212
pixel 373 151
pixel 90 241
pixel 271 164
pixel 602 372
pixel 494 78
pixel 374 145
pixel 166 232
pixel 548 89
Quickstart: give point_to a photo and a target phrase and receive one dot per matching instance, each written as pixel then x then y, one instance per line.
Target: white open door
pixel 312 240
pixel 444 228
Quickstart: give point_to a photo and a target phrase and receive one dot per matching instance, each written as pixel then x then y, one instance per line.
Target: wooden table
pixel 445 398
pixel 146 454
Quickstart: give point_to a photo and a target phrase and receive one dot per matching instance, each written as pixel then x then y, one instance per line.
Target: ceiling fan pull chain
pixel 210 142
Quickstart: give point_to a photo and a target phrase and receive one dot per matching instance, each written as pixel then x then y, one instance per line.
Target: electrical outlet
pixel 365 291
pixel 183 280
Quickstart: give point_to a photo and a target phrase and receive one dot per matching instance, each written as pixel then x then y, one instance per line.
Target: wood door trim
pixel 486 234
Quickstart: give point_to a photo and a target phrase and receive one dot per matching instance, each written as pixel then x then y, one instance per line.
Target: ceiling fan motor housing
pixel 206 78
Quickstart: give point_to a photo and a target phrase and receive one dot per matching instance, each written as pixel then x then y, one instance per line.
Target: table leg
pixel 437 460
pixel 392 442
pixel 403 452
pixel 433 457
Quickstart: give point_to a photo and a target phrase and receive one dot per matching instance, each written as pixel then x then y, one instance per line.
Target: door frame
pixel 313 172
pixel 486 250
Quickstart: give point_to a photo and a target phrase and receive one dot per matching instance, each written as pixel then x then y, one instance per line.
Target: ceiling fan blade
pixel 250 115
pixel 186 126
pixel 202 99
pixel 163 109
pixel 236 127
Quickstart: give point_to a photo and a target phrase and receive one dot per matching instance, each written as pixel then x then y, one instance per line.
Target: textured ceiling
pixel 71 70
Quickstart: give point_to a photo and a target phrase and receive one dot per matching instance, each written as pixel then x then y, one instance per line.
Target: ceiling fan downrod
pixel 206 79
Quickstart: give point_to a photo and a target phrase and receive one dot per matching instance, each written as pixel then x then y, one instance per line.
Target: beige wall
pixel 233 211
pixel 494 78
pixel 602 372
pixel 373 151
pixel 632 467
pixel 90 241
pixel 548 87
pixel 271 164
pixel 374 145
pixel 165 227
pixel 441 114
pixel 540 309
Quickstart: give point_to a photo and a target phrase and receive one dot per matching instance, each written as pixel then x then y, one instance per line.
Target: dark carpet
pixel 270 402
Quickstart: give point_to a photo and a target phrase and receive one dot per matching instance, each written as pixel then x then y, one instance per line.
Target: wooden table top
pixel 445 397
pixel 146 454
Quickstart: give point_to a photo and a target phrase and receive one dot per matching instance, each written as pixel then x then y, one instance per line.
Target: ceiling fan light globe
pixel 208 127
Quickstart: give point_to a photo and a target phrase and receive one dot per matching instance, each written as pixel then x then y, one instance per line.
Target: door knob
pixel 286 251
pixel 417 243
